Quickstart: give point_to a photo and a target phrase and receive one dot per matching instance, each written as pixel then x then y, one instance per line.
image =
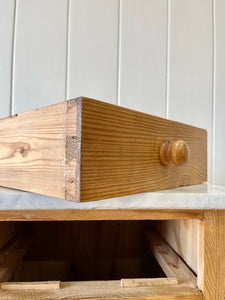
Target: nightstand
pixel 160 245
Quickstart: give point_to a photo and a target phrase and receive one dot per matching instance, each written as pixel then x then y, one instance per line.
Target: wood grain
pixel 12 254
pixel 94 290
pixel 180 153
pixel 212 264
pixel 170 262
pixel 183 237
pixel 201 253
pixel 120 152
pixel 93 250
pixel 8 230
pixel 127 282
pixel 98 214
pixel 43 285
pixel 83 150
pixel 37 154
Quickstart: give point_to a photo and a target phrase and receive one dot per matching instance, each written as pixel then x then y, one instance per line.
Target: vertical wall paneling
pixel 143 55
pixel 168 58
pixel 93 49
pixel 163 57
pixel 6 36
pixel 67 49
pixel 213 91
pixel 40 58
pixel 191 56
pixel 219 98
pixel 119 51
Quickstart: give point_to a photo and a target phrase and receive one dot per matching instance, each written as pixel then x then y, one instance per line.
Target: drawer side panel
pixel 39 151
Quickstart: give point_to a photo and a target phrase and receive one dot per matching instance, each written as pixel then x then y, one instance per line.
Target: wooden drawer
pixel 99 259
pixel 83 149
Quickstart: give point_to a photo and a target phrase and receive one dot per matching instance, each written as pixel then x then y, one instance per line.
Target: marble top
pixel 202 196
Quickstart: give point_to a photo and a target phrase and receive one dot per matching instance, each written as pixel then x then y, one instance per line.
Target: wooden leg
pixel 212 258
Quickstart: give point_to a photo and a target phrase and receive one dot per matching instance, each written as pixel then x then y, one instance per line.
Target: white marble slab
pixel 203 196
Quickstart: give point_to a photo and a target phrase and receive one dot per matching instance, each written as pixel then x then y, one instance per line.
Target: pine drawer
pixel 84 149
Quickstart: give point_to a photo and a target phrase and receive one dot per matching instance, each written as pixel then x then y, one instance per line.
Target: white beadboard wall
pixel 163 57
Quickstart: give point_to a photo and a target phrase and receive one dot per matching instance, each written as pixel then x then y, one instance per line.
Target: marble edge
pixel 198 197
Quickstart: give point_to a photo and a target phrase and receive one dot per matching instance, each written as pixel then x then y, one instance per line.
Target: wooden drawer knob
pixel 178 152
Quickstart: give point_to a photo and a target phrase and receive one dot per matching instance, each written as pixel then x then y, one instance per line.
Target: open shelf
pixel 93 259
pixel 84 251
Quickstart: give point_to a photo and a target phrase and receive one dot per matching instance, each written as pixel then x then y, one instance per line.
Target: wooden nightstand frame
pixel 208 284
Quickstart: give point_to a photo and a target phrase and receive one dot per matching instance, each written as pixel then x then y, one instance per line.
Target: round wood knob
pixel 178 152
pixel 165 152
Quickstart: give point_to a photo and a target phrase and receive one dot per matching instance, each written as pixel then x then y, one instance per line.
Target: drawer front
pixel 120 152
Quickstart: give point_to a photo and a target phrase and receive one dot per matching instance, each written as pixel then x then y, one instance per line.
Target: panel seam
pixel 213 87
pixel 168 59
pixel 118 102
pixel 67 50
pixel 12 83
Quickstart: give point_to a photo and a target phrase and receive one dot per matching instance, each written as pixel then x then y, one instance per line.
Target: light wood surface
pixel 107 290
pixel 12 254
pixel 120 152
pixel 83 149
pixel 98 214
pixel 201 253
pixel 148 282
pixel 44 285
pixel 170 262
pixel 212 264
pixel 38 152
pixel 183 237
